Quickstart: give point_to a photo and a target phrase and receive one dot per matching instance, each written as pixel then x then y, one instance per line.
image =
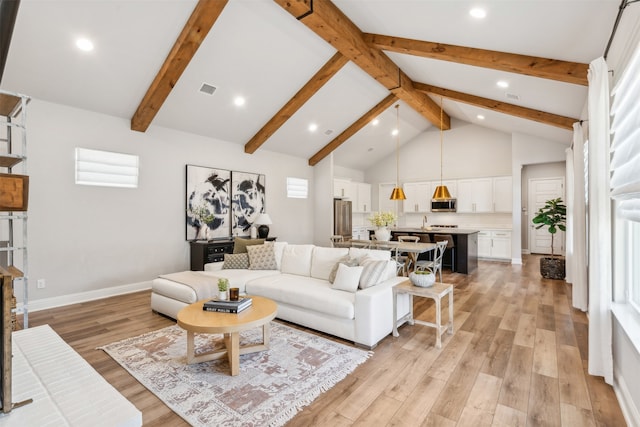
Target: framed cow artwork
pixel 247 201
pixel 208 203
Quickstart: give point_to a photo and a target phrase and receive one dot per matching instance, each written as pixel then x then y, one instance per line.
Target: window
pixel 625 184
pixel 297 188
pixel 105 168
pixel 633 268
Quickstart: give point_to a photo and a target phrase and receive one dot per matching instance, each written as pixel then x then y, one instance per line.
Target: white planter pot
pixel 383 234
pixel 223 295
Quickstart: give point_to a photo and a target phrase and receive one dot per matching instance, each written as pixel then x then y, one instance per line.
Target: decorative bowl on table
pixel 423 279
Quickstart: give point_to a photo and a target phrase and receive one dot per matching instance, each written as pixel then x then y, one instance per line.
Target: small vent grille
pixel 513 96
pixel 328 131
pixel 207 88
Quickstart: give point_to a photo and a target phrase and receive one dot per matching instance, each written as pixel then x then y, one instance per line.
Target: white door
pixel 541 190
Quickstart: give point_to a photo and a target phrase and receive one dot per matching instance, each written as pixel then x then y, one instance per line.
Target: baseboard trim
pixel 46 303
pixel 517 261
pixel 629 409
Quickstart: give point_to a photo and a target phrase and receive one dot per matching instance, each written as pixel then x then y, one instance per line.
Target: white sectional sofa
pixel 299 283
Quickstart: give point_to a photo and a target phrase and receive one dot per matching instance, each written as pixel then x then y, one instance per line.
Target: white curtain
pixel 578 266
pixel 600 283
pixel 569 202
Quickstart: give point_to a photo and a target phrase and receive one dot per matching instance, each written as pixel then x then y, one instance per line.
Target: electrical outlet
pixel 41 284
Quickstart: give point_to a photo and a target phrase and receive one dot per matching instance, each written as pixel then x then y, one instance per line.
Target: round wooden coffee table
pixel 194 320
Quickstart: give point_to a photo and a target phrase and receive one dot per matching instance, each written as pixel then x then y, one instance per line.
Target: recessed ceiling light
pixel 375 122
pixel 478 13
pixel 503 84
pixel 394 132
pixel 480 117
pixel 84 44
pixel 313 127
pixel 239 101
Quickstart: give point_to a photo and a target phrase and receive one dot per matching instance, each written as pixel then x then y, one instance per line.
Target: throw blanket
pixel 205 286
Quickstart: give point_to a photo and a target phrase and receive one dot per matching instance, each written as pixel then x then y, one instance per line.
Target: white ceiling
pixel 258 50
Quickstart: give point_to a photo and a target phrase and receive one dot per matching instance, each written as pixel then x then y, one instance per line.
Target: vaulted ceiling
pixel 337 64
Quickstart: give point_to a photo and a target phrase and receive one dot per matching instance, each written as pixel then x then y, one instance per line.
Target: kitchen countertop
pixel 433 230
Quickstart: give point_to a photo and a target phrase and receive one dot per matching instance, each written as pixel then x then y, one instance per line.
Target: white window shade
pixel 105 168
pixel 297 188
pixel 625 141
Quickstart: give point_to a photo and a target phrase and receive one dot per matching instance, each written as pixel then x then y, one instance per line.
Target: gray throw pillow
pixel 372 272
pixel 235 261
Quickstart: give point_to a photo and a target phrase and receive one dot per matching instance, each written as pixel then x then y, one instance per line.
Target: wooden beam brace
pixel 421 102
pixel 202 18
pixel 351 130
pixel 502 107
pixel 563 71
pixel 329 69
pixel 328 22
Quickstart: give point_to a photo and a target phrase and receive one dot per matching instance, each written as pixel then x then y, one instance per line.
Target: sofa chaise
pixel 345 292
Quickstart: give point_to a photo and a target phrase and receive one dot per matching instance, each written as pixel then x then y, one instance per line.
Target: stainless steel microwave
pixel 446 205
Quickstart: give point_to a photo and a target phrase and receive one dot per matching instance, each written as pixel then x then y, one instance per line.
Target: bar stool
pixel 451 247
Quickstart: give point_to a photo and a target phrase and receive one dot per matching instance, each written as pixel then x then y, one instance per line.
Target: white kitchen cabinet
pixel 494 244
pixel 362 199
pixel 360 233
pixel 418 197
pixel 475 195
pixel 343 189
pixel 484 244
pixel 502 194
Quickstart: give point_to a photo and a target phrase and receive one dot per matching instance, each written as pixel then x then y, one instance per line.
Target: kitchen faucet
pixel 424 222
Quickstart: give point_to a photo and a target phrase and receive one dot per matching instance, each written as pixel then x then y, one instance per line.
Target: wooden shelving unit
pixel 13 228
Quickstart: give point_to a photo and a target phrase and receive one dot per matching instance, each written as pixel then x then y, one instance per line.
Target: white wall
pixel 469 151
pixel 528 150
pixel 323 201
pixel 85 238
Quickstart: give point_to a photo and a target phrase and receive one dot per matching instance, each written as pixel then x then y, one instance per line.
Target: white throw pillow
pixel 372 273
pixel 296 259
pixel 347 278
pixel 323 260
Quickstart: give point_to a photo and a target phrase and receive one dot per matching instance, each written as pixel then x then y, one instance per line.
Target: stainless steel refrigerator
pixel 342 218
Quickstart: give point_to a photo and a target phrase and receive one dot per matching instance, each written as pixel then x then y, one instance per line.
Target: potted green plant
pixel 203 217
pixel 223 288
pixel 553 215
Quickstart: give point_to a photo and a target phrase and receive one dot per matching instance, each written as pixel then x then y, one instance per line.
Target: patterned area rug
pixel 272 385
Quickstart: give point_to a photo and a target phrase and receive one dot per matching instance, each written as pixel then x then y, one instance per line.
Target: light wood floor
pixel 518 357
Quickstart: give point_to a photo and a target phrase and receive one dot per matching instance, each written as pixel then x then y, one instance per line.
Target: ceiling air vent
pixel 513 96
pixel 328 132
pixel 207 88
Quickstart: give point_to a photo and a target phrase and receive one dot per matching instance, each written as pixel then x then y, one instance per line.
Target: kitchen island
pixel 466 243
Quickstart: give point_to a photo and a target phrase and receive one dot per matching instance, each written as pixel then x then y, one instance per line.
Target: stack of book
pixel 226 306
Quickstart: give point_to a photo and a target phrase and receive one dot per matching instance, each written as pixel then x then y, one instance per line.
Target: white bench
pixel 65 389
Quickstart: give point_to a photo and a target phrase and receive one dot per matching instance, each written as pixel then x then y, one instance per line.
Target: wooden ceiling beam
pixel 327 21
pixel 351 130
pixel 563 71
pixel 202 18
pixel 501 107
pixel 316 82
